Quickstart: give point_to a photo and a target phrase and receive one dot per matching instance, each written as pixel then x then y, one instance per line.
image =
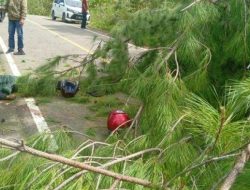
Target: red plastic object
pixel 117 119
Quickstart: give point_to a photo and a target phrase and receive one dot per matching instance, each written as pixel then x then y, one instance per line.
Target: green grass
pixel 43 100
pixel 80 99
pixel 91 132
pixel 40 7
pixel 104 105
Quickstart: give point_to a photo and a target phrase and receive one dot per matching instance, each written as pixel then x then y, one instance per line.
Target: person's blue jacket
pixel 7 85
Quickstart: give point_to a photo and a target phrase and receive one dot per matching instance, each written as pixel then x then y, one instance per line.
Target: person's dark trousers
pixel 14 25
pixel 84 20
pixel 1 16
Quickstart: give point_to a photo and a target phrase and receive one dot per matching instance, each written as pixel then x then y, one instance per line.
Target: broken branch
pixel 75 164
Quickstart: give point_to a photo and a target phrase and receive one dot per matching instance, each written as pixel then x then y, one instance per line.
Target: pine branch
pixel 171 52
pixel 183 140
pixel 208 161
pixel 75 164
pixel 72 178
pixel 222 123
pixel 9 157
pixel 194 3
pixel 237 169
pixel 58 175
pixel 169 132
pixel 216 185
pixel 113 187
pixel 137 116
pixel 118 160
pixel 40 174
pixel 245 35
pixel 177 66
pixel 191 5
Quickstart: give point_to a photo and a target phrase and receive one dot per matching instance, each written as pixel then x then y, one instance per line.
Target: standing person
pixel 2 10
pixel 17 11
pixel 84 13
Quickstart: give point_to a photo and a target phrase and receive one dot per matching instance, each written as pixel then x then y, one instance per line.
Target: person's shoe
pixel 10 51
pixel 20 52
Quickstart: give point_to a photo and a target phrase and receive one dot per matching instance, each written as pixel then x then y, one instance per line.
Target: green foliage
pixel 205 122
pixel 30 86
pixel 193 53
pixel 40 174
pixel 209 44
pixel 239 98
pixel 40 83
pixel 40 7
pixel 2 2
pixel 242 182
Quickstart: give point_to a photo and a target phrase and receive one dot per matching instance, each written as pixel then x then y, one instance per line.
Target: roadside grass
pixel 91 132
pixel 40 7
pixel 51 120
pixel 43 100
pixel 103 105
pixel 102 18
pixel 80 99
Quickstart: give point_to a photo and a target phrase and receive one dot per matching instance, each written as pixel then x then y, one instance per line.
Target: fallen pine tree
pixel 192 110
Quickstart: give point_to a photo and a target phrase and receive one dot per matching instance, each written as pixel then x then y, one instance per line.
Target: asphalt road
pixel 45 39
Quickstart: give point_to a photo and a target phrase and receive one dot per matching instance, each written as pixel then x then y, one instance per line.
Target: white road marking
pixel 10 60
pixel 31 104
pixel 37 115
pixel 34 110
pixel 64 38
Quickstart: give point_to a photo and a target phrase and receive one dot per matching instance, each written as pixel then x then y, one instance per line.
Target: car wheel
pixel 53 15
pixel 64 18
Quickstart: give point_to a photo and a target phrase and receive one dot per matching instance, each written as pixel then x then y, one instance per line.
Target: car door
pixel 61 8
pixel 55 7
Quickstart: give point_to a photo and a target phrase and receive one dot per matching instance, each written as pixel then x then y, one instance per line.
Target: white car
pixel 68 10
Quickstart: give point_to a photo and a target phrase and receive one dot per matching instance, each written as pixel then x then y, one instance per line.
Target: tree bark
pixel 237 169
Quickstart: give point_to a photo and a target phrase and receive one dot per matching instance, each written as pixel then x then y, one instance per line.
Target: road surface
pixel 45 39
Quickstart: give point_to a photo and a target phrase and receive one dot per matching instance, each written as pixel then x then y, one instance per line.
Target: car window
pixel 74 3
pixel 62 1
